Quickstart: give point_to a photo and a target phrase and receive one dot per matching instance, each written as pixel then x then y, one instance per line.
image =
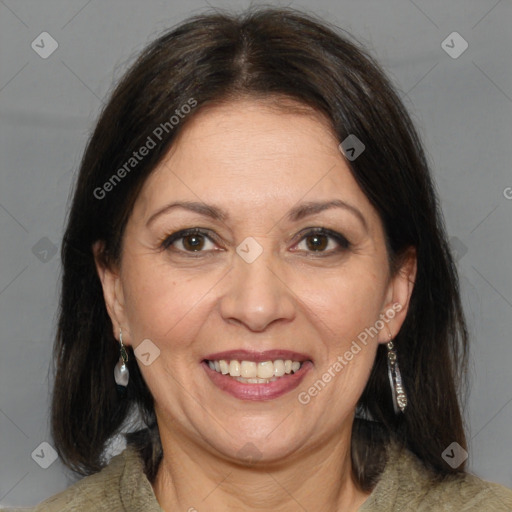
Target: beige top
pixel 404 486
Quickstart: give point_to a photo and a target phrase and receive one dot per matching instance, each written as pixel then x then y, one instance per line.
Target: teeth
pixel 279 368
pixel 266 369
pixel 234 368
pixel 252 372
pixel 248 369
pixel 224 367
pixel 255 381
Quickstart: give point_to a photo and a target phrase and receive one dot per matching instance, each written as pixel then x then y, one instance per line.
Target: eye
pixel 189 240
pixel 315 240
pixel 321 240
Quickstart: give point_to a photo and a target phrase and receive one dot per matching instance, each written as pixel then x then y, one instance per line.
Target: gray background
pixel 461 106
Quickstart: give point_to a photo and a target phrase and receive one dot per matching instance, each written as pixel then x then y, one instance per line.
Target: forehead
pixel 253 153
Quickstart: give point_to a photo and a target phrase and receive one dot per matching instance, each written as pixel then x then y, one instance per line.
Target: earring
pixel 395 379
pixel 121 373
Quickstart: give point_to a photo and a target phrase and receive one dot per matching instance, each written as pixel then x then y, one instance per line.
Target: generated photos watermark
pixel 304 397
pixel 151 142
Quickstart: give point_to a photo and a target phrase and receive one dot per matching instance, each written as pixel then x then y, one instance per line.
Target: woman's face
pixel 258 277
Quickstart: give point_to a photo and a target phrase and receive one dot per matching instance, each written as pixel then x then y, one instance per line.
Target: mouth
pixel 257 375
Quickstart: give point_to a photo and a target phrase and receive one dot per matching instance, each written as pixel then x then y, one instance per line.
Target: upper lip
pixel 250 355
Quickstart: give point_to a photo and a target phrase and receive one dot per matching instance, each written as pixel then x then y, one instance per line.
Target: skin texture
pixel 256 162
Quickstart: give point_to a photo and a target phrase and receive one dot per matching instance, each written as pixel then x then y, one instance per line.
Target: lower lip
pixel 268 391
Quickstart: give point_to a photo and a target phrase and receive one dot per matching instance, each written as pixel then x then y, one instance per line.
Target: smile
pixel 257 375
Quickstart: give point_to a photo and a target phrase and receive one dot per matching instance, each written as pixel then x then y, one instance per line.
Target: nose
pixel 257 294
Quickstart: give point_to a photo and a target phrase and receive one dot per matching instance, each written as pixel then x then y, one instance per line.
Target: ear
pixel 112 292
pixel 398 296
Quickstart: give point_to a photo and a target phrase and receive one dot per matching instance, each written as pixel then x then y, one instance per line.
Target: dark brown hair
pixel 270 53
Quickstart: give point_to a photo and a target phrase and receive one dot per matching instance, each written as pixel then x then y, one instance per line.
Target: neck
pixel 192 478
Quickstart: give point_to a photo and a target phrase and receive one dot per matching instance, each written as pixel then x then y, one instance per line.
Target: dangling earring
pixel 121 373
pixel 395 379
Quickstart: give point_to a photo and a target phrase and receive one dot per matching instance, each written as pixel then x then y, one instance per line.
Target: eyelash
pixel 343 243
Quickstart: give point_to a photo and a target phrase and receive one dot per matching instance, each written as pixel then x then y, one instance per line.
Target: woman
pixel 256 264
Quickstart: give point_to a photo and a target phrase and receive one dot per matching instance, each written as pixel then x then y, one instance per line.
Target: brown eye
pixel 317 242
pixel 193 242
pixel 323 241
pixel 189 241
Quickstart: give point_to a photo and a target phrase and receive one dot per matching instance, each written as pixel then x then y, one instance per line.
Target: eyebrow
pixel 312 207
pixel 295 214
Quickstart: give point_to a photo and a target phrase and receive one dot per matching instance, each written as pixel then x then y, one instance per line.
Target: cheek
pixel 162 303
pixel 345 302
pixel 342 308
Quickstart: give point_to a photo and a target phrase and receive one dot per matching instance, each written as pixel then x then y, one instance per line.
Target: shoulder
pixel 99 491
pixel 121 485
pixel 407 485
pixel 469 493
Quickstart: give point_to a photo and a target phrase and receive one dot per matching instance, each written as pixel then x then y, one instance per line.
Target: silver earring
pixel 121 373
pixel 395 379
